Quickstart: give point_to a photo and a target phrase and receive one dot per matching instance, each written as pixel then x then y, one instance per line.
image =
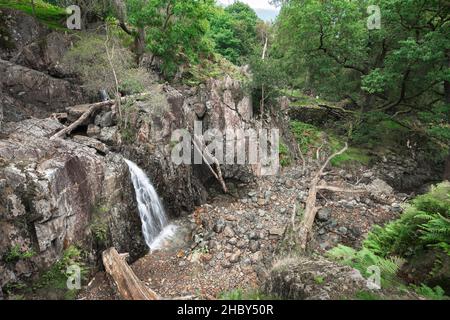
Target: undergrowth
pixel 424 226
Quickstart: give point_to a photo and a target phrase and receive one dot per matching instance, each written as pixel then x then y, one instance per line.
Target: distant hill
pixel 267 14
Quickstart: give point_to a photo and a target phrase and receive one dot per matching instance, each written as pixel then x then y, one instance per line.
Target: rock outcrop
pixel 33 82
pixel 313 278
pixel 50 194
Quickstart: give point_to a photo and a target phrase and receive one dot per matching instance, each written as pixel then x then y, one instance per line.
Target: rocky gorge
pixel 56 193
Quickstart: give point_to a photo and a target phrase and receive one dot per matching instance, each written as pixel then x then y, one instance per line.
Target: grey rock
pixel 254 246
pixel 228 232
pixel 219 226
pixel 104 120
pixel 324 214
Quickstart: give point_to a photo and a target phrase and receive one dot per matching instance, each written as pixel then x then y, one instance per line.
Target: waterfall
pixel 154 220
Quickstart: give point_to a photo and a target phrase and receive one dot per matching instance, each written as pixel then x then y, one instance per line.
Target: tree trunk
pixel 128 284
pixel 139 46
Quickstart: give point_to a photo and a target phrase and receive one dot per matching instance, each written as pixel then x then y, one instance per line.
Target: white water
pixel 155 227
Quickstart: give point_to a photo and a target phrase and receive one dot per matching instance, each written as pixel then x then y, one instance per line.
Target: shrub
pixel 16 253
pixel 88 58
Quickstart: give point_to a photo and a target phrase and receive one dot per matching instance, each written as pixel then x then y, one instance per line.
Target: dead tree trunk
pixel 91 110
pixel 305 227
pixel 209 159
pixel 128 284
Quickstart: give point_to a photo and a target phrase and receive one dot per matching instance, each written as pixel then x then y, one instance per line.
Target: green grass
pixel 367 295
pixel 285 159
pixel 48 14
pixel 239 294
pixel 311 138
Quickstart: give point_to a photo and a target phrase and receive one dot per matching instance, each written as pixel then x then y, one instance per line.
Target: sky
pixel 255 4
pixel 262 7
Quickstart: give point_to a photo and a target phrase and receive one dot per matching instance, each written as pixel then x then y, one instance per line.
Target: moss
pixel 5 36
pixel 367 295
pixel 48 14
pixel 240 294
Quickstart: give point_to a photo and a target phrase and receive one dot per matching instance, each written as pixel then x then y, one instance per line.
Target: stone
pixel 104 120
pixel 277 232
pixel 200 110
pixel 295 278
pixel 253 235
pixel 234 258
pixel 343 230
pixel 324 214
pixel 256 257
pixel 109 135
pixel 379 187
pixel 93 130
pixel 254 246
pixel 92 143
pixel 228 232
pixel 219 226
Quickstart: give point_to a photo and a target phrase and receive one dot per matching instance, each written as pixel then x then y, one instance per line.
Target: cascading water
pixel 154 220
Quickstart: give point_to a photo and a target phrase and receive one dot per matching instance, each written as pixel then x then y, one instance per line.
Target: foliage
pixel 239 294
pixel 233 31
pixel 436 293
pixel 307 136
pixel 174 29
pixel 99 224
pixel 47 13
pixel 285 159
pixel 425 224
pixel 364 258
pixel 16 253
pixel 398 70
pixel 56 278
pixel 88 58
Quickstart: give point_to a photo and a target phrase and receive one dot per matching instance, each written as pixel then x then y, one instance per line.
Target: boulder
pixel 313 278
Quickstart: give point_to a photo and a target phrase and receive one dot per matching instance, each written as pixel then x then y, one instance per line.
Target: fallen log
pixel 91 109
pixel 128 284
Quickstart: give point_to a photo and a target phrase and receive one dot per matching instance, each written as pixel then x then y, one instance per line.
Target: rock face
pixel 54 193
pixel 33 81
pixel 50 194
pixel 313 278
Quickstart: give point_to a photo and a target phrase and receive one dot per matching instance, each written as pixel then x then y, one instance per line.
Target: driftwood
pixel 210 159
pixel 128 284
pixel 305 227
pixel 92 109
